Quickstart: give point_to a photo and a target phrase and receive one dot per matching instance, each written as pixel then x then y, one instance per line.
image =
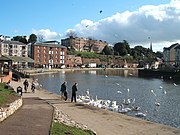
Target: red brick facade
pixel 49 55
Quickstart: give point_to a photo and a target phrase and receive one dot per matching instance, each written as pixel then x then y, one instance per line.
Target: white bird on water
pixel 153 92
pixel 157 103
pixel 160 87
pixel 175 84
pixel 140 114
pixel 119 92
pixel 164 92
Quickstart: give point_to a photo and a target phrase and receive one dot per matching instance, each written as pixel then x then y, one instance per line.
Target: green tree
pixel 122 48
pixel 107 50
pixel 20 39
pixel 32 38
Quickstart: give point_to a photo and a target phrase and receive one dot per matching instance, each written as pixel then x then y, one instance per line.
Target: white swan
pixel 119 92
pixel 136 108
pixel 140 114
pixel 175 84
pixel 157 103
pixel 164 92
pixel 124 110
pixel 152 91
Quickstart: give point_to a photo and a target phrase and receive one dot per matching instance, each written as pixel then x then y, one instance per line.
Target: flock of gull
pixel 127 105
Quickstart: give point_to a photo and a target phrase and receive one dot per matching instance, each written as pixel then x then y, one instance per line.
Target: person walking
pixel 26 84
pixel 64 91
pixel 33 87
pixel 74 90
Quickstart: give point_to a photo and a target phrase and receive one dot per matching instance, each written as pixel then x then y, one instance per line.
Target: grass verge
pixel 62 129
pixel 7 96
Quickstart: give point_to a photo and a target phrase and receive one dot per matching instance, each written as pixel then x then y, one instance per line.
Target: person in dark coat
pixel 74 90
pixel 64 91
pixel 26 84
pixel 33 87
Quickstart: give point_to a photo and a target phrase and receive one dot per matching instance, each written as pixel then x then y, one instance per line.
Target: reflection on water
pixel 105 84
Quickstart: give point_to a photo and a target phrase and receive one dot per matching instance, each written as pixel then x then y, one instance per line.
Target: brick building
pixel 84 44
pixel 48 54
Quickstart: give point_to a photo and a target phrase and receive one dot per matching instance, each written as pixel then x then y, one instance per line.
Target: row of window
pixel 51 52
pixel 46 56
pixel 51 61
pixel 13 51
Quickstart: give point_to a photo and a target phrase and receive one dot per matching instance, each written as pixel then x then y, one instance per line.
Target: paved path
pixel 34 118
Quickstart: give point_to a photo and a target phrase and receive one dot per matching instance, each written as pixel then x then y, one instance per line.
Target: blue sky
pixel 131 20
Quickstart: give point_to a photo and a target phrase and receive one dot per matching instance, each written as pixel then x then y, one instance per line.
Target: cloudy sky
pixel 137 21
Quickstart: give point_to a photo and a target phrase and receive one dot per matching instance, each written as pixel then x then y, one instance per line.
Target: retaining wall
pixel 10 109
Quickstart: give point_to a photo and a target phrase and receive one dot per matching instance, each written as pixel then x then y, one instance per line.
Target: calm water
pixel 105 85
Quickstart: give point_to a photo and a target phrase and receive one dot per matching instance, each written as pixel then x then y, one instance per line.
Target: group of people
pixel 64 91
pixel 26 84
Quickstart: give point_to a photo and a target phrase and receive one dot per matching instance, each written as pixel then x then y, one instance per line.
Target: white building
pixel 169 54
pixel 13 48
pixel 3 38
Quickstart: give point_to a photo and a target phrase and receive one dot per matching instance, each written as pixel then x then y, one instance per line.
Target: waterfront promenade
pixel 102 121
pixel 33 118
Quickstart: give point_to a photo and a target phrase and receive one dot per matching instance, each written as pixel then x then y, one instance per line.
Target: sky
pixel 139 22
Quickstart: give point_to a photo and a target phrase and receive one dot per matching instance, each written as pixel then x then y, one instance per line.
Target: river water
pixel 105 83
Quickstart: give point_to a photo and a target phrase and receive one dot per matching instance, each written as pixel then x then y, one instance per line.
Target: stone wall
pixel 60 117
pixel 10 109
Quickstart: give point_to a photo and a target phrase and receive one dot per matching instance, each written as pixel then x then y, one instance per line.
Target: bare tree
pixel 40 38
pixel 71 33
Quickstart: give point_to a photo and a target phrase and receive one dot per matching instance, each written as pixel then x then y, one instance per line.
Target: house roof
pixel 177 47
pixel 13 42
pixel 20 59
pixel 49 44
pixel 3 58
pixel 172 46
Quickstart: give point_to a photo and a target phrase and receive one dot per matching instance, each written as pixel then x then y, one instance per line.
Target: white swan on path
pixel 140 114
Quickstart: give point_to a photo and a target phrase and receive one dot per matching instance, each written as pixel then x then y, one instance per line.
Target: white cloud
pixel 161 23
pixel 48 35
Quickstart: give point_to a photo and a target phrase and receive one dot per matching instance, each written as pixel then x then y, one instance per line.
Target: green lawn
pixel 61 129
pixel 6 96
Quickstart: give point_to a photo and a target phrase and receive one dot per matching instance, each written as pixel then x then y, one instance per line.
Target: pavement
pixel 36 112
pixel 33 118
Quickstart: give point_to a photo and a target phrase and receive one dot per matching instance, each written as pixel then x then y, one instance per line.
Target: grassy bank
pixel 61 129
pixel 6 96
